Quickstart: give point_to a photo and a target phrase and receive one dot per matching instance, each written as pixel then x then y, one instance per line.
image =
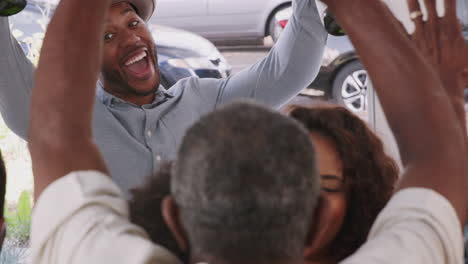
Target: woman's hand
pixel 440 40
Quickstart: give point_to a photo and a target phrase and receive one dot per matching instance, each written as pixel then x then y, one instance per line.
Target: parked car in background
pixel 342 77
pixel 181 54
pixel 223 19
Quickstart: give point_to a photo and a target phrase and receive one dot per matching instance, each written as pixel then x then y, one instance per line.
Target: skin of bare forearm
pixel 457 100
pixel 69 64
pixel 458 104
pixel 60 134
pixel 408 83
pixel 417 107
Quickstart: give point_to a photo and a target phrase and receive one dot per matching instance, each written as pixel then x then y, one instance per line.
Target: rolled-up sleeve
pixel 83 218
pixel 418 226
pixel 16 78
pixel 291 65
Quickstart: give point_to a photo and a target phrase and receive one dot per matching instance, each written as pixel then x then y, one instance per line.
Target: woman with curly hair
pixel 357 177
pixel 145 208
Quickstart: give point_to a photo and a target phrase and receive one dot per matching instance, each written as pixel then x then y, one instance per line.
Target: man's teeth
pixel 136 59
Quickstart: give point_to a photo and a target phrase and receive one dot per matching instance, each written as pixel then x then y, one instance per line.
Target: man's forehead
pixel 121 8
pixel 124 6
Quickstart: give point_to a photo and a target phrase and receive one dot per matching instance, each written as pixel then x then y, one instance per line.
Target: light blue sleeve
pixel 292 64
pixel 16 78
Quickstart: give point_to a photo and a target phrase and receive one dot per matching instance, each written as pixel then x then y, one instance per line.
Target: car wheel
pixel 350 87
pixel 278 21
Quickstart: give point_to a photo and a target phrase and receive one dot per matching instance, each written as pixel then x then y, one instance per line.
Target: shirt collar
pixel 108 99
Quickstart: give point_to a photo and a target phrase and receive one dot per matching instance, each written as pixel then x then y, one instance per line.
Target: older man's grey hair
pixel 246 184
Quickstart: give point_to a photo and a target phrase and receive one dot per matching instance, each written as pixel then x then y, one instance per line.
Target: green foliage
pixel 19 220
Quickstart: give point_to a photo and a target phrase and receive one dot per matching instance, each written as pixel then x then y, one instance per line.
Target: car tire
pixel 274 30
pixel 350 87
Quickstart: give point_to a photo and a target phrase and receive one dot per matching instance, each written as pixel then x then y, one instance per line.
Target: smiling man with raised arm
pixel 82 217
pixel 138 124
pixel 63 143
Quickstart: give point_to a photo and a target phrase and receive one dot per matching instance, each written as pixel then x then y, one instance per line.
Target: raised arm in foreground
pixel 89 220
pixel 60 134
pixel 418 225
pixel 449 58
pixel 413 98
pixel 442 43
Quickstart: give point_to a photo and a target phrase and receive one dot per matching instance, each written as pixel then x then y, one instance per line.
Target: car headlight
pixel 193 63
pixel 221 63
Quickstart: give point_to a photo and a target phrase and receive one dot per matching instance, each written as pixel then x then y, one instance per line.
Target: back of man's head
pixel 246 185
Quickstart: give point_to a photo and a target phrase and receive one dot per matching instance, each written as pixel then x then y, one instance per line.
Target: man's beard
pixel 120 86
pixel 135 92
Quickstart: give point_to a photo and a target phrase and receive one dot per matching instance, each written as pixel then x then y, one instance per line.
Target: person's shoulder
pixel 416 220
pixel 185 83
pixel 420 214
pixel 81 183
pixel 420 204
pixel 422 199
pixel 195 86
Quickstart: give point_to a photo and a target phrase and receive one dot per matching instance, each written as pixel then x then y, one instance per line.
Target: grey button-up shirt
pixel 135 139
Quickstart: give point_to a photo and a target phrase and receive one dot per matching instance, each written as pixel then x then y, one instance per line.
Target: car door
pixel 236 17
pixel 185 14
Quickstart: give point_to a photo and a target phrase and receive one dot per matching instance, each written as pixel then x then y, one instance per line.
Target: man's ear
pixel 171 216
pixel 321 232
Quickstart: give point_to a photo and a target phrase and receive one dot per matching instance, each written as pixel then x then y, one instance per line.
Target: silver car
pixel 343 78
pixel 180 53
pixel 223 19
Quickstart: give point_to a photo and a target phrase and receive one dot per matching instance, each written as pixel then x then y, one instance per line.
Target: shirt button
pixel 158 158
pixel 149 133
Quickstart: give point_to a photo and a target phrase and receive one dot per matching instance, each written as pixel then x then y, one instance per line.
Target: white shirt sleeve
pixel 418 226
pixel 83 218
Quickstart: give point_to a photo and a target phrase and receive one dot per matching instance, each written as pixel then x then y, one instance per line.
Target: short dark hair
pixel 370 174
pixel 145 209
pixel 246 184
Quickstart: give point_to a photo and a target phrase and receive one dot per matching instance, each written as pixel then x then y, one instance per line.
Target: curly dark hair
pixel 370 174
pixel 145 209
